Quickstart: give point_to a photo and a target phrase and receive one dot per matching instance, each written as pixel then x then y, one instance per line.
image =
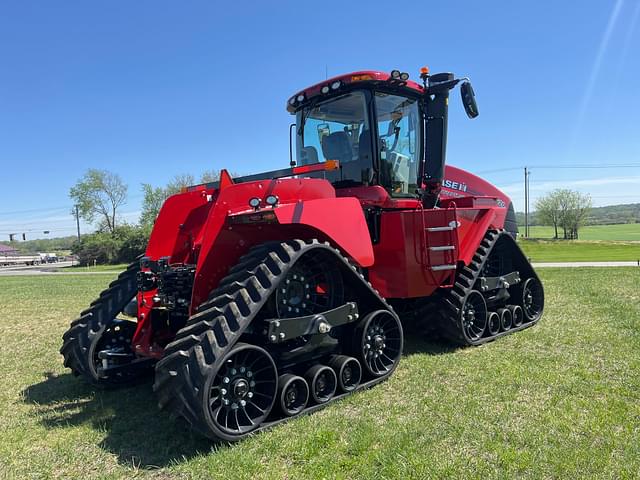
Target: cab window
pixel 337 129
pixel 398 148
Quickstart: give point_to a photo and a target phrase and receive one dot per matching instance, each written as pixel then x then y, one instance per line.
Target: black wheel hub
pixel 381 345
pixel 474 315
pixel 532 299
pixel 313 285
pixel 243 391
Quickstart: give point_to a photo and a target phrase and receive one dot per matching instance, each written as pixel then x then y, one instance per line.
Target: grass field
pixel 560 400
pixel 579 250
pixel 98 268
pixel 629 232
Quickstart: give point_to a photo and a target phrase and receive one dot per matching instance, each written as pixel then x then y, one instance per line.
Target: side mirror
pixel 469 99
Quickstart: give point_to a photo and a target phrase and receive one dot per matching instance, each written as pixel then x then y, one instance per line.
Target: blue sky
pixel 149 89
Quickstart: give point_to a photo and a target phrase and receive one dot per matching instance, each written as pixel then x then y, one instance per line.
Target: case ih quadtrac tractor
pixel 269 296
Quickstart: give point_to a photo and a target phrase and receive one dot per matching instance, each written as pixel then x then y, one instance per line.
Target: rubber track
pixel 210 334
pixel 452 301
pixel 101 312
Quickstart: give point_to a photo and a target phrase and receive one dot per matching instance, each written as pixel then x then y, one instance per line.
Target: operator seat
pixel 308 155
pixel 336 146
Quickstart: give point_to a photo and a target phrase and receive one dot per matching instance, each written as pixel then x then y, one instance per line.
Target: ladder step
pixel 442 248
pixel 440 229
pixel 437 268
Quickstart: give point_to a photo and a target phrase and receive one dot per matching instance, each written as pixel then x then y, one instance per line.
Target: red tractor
pixel 267 296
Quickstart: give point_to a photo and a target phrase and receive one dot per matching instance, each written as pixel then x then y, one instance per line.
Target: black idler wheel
pixel 532 299
pixel 348 372
pixel 493 323
pixel 322 383
pixel 516 314
pixel 379 342
pixel 242 392
pixel 293 394
pixel 506 320
pixel 473 316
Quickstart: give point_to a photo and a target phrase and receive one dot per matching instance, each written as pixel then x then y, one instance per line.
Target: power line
pixel 555 167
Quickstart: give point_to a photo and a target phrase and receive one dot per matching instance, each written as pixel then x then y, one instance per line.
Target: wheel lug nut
pixel 252 383
pixel 242 369
pixel 249 373
pixel 223 391
pixel 250 394
pixel 225 380
pixel 233 371
pixel 243 402
pixel 225 401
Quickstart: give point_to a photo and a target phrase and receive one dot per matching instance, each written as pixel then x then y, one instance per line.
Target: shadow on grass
pixel 136 431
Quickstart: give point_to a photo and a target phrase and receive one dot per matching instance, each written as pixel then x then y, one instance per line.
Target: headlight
pixel 336 85
pixel 325 89
pixel 300 97
pixel 292 101
pixel 254 202
pixel 404 76
pixel 395 74
pixel 271 200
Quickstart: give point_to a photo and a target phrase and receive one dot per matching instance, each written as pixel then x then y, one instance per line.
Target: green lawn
pixel 579 250
pixel 560 400
pixel 630 231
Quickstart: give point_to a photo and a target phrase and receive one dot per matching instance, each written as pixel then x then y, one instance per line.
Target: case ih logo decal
pixel 455 185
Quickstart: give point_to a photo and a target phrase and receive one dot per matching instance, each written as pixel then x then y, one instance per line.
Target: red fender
pixel 340 219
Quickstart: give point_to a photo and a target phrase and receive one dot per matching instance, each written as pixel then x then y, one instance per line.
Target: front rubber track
pixel 80 339
pixel 199 348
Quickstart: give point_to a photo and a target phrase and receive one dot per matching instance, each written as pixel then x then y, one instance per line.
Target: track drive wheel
pixel 241 394
pixel 379 342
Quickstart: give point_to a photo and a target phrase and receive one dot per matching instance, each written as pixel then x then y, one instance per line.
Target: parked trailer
pixel 10 260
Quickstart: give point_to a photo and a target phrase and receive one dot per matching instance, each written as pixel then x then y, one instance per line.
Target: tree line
pixel 565 209
pixel 100 196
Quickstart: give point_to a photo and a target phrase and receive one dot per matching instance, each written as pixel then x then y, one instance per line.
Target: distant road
pixel 56 268
pixel 49 269
pixel 585 264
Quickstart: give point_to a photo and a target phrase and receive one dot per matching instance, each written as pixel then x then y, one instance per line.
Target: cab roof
pixel 336 84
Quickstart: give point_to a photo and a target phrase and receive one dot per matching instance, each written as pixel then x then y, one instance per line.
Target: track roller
pixel 322 383
pixel 379 342
pixel 493 323
pixel 293 394
pixel 348 372
pixel 516 315
pixel 506 319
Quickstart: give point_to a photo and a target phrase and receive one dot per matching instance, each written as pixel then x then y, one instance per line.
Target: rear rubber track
pixel 218 324
pixel 451 302
pixel 79 339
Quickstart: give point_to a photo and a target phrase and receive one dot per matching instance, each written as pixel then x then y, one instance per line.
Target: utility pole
pixel 78 221
pixel 526 203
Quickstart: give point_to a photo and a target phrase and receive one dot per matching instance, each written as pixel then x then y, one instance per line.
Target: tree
pixel 179 182
pixel 99 194
pixel 575 209
pixel 564 208
pixel 153 199
pixel 209 176
pixel 548 211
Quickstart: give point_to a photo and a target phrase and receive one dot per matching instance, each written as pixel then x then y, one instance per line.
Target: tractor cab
pixel 383 129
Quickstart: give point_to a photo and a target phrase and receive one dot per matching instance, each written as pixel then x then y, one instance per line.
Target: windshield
pixel 397 119
pixel 337 129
